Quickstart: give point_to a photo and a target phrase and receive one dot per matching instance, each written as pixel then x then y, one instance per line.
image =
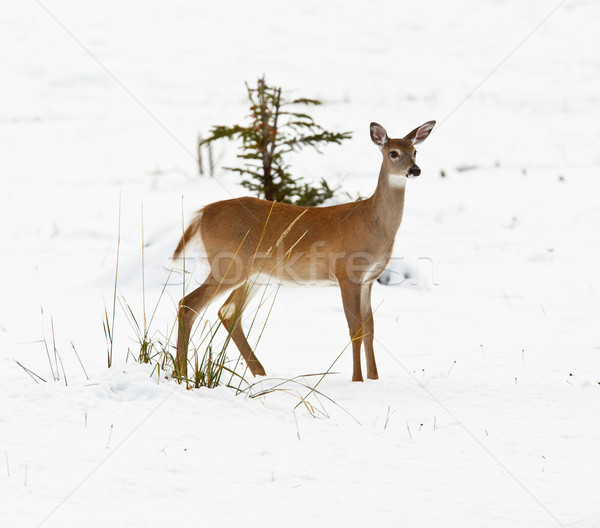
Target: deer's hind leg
pixel 231 317
pixel 190 307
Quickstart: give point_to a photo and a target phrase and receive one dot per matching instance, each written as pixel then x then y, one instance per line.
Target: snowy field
pixel 486 413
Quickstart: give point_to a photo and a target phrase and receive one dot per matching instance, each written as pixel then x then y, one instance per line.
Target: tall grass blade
pixel 32 374
pixel 79 359
pixel 54 376
pixel 111 326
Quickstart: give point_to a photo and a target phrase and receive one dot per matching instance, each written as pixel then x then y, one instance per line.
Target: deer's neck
pixel 388 202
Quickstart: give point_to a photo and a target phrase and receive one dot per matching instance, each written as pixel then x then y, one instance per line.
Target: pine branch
pixel 224 132
pixel 277 128
pixel 305 101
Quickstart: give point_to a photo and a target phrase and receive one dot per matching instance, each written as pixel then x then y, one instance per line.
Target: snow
pixel 488 352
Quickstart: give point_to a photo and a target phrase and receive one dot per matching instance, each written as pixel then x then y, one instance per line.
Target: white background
pixel 486 413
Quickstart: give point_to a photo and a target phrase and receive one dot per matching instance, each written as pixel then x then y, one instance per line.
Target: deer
pixel 350 245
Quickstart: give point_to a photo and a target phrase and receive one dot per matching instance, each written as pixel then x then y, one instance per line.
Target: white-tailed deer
pixel 348 244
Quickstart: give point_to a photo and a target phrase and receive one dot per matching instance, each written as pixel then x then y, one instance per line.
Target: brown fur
pixel 348 244
pixel 188 235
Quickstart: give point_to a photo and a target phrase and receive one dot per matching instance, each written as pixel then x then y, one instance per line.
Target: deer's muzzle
pixel 414 171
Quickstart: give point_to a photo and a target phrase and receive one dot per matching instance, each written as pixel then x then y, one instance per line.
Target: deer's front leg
pixel 368 330
pixel 351 297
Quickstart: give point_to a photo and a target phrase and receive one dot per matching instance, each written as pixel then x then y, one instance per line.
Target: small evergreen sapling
pixel 276 129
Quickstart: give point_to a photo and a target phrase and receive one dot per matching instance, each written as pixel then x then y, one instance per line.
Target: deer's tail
pixel 191 236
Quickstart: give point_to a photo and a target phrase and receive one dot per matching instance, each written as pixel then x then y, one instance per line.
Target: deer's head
pixel 399 155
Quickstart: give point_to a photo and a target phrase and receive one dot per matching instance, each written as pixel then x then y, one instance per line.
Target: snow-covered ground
pixel 486 413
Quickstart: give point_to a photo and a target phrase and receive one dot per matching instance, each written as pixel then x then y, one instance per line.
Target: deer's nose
pixel 414 171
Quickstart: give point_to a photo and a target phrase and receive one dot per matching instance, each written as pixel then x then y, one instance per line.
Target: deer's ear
pixel 378 135
pixel 419 134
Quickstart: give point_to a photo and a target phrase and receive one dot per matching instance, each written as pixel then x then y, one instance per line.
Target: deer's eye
pixel 415 154
pixel 393 154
